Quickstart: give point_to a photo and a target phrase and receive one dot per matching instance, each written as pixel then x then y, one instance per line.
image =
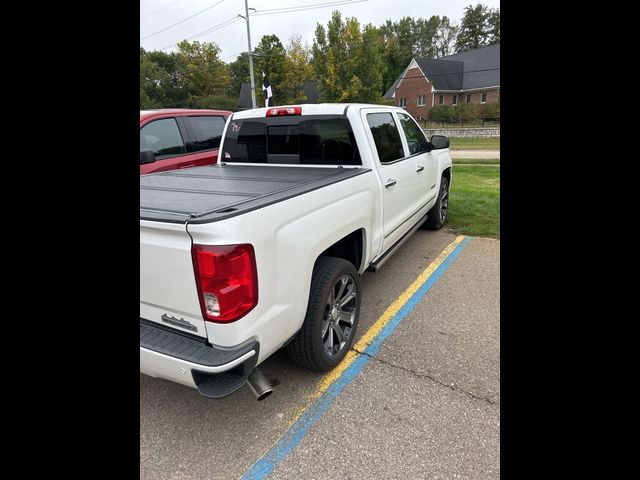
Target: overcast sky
pixel 231 36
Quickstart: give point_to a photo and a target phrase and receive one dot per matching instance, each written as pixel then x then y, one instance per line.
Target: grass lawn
pixel 474 201
pixel 474 143
pixel 484 161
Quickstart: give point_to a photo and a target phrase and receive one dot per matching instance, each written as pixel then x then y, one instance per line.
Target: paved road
pixel 426 406
pixel 474 153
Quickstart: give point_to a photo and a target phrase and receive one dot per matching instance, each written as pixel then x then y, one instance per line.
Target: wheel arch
pixel 350 248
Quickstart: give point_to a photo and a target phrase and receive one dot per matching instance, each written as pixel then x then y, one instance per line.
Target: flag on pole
pixel 266 88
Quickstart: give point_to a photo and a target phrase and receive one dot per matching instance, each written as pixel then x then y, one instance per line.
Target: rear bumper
pixel 191 361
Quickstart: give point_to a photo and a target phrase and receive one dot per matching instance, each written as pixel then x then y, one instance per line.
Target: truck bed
pixel 217 192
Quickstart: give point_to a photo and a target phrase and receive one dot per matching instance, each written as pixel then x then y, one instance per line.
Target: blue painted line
pixel 292 437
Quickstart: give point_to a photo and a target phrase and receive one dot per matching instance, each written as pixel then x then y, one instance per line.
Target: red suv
pixel 179 138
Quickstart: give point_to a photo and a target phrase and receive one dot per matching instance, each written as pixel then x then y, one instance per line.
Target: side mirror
pixel 439 141
pixel 147 156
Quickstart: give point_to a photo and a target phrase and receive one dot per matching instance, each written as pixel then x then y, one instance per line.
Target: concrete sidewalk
pixel 474 153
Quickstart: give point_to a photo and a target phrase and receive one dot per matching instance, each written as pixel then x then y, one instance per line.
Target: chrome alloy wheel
pixel 340 313
pixel 444 203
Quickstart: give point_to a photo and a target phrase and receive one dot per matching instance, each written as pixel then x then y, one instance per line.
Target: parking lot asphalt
pixel 427 405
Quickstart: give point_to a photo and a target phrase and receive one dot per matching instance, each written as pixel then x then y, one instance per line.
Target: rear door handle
pixel 419 169
pixel 390 183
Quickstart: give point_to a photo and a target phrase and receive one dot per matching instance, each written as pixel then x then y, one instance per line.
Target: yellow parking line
pixel 327 380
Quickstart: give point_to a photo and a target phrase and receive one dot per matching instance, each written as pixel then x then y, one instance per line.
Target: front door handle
pixel 419 169
pixel 390 183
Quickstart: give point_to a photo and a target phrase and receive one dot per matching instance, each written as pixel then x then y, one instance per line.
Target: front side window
pixel 441 100
pixel 483 97
pixel 163 138
pixel 421 100
pixel 415 137
pixel 455 100
pixel 306 140
pixel 207 132
pixel 386 136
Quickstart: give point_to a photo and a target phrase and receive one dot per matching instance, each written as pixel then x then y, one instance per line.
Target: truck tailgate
pixel 168 293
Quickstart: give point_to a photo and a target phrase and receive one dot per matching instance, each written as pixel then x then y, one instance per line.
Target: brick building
pixel 467 77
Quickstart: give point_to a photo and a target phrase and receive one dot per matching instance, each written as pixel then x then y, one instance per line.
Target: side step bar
pixel 374 266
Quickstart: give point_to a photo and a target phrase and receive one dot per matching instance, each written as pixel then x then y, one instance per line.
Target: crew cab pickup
pixel 264 250
pixel 179 138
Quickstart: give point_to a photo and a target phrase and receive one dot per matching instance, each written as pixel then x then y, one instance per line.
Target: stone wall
pixel 464 132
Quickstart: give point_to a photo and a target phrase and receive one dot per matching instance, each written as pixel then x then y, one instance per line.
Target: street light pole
pixel 253 83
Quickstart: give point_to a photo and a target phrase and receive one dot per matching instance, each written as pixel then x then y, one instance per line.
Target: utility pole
pixel 253 83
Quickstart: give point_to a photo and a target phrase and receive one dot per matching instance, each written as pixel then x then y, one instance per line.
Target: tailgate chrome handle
pixel 419 169
pixel 390 183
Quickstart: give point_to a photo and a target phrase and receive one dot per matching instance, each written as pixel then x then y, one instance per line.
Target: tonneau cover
pixel 216 192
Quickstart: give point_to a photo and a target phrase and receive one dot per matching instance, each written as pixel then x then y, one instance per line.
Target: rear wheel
pixel 332 316
pixel 438 214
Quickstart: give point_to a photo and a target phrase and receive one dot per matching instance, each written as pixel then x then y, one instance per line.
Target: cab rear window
pixel 306 140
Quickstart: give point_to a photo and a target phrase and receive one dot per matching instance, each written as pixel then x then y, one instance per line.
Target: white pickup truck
pixel 265 249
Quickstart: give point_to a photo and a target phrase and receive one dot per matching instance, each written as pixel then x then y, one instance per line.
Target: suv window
pixel 162 137
pixel 207 132
pixel 386 136
pixel 415 137
pixel 307 140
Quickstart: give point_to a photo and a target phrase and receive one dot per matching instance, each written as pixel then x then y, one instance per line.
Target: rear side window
pixel 162 137
pixel 207 132
pixel 415 138
pixel 306 140
pixel 386 136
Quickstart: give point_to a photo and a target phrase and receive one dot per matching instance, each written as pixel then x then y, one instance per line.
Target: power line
pixel 182 21
pixel 208 30
pixel 275 11
pixel 272 11
pixel 160 10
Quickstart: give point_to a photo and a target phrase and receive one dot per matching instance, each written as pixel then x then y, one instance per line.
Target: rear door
pixel 205 134
pixel 401 183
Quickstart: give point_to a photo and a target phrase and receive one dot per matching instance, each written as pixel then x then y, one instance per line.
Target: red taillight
pixel 227 280
pixel 276 112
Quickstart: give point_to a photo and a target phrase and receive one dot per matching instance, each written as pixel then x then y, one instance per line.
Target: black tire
pixel 310 347
pixel 437 216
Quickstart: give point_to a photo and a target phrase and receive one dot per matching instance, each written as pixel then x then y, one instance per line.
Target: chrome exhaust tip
pixel 259 385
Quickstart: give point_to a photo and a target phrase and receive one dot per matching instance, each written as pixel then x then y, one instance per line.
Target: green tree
pixel 269 56
pixel 474 28
pixel 347 61
pixel 202 74
pixel 297 71
pixel 158 80
pixel 442 113
pixel 465 112
pixel 413 38
pixel 238 74
pixel 151 94
pixel 397 40
pixel 445 39
pixel 425 37
pixel 494 26
pixel 490 110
